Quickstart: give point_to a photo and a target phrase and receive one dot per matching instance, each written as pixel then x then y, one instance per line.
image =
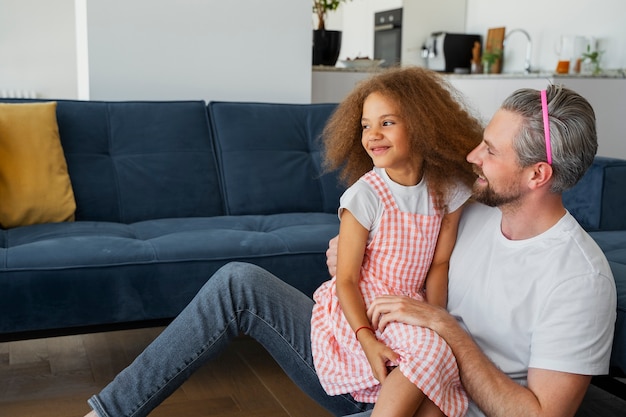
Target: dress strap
pixel 383 191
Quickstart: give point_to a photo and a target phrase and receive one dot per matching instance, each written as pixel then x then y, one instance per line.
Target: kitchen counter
pixel 326 68
pixel 611 73
pixel 616 73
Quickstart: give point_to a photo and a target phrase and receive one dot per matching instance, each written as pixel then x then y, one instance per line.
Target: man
pixel 531 303
pixel 532 289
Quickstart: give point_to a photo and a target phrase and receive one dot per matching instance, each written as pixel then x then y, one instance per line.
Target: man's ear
pixel 541 175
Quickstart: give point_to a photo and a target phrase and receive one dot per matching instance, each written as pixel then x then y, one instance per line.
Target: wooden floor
pixel 55 377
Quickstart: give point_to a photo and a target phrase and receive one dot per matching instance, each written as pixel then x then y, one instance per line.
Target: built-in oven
pixel 388 36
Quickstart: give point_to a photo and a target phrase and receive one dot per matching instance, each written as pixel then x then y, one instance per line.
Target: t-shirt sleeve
pixel 363 202
pixel 575 332
pixel 458 196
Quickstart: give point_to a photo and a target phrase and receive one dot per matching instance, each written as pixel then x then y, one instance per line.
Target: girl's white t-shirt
pixel 365 205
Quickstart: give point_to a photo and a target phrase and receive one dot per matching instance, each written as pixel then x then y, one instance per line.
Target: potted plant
pixel 490 60
pixel 321 9
pixel 326 43
pixel 591 62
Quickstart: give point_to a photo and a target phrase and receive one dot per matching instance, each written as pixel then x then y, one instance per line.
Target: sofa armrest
pixel 599 198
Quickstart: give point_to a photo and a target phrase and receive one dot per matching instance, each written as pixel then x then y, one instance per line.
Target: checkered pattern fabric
pixel 396 262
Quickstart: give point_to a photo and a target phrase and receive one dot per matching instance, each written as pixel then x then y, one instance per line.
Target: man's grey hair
pixel 573 135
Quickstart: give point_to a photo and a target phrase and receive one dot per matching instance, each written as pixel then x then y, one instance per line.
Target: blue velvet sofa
pixel 598 202
pixel 167 192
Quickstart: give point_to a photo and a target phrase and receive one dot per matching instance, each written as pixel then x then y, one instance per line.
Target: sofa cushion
pixel 133 161
pixel 598 200
pixel 101 272
pixel 34 183
pixel 269 157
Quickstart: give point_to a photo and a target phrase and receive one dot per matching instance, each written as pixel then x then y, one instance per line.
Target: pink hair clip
pixel 546 125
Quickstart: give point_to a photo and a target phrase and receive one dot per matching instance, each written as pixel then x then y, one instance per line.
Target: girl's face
pixel 386 140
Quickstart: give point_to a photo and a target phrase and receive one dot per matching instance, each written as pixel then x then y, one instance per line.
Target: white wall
pixel 420 18
pixel 245 49
pixel 193 49
pixel 37 48
pixel 159 49
pixel 356 19
pixel 545 21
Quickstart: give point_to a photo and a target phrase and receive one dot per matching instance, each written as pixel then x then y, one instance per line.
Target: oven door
pixel 388 36
pixel 387 45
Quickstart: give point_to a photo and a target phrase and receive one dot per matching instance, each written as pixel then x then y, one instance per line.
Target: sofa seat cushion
pixel 101 244
pixel 100 272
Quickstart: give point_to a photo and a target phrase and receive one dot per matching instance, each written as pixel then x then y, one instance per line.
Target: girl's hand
pixel 378 355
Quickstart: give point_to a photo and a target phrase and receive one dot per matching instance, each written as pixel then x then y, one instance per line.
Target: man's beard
pixel 488 196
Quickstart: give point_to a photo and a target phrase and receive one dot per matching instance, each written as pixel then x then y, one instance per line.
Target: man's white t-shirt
pixel 547 302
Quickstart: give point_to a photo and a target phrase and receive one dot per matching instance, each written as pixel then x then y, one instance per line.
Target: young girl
pixel 401 140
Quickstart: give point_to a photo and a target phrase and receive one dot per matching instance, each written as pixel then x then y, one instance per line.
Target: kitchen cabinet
pixel 485 93
pixel 331 85
pixel 606 95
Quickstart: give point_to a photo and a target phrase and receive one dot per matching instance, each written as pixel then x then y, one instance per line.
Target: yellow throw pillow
pixel 35 185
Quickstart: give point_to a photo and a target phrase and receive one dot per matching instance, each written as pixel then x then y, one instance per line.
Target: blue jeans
pixel 238 298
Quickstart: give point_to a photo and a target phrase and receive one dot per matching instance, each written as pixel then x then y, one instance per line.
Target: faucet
pixel 529 46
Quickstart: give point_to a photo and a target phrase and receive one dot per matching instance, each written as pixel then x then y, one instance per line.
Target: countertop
pixel 611 73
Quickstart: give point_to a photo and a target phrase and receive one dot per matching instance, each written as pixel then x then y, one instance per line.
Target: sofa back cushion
pixel 269 157
pixel 132 161
pixel 599 198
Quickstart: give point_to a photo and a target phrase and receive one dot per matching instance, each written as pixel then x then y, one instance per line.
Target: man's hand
pixel 389 308
pixel 331 256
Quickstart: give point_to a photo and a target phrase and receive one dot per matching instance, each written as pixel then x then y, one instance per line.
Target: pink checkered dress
pixel 396 262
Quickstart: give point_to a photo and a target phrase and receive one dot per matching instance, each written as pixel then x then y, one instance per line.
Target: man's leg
pixel 238 298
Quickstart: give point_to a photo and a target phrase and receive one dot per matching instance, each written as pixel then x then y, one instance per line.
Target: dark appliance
pixel 450 52
pixel 388 37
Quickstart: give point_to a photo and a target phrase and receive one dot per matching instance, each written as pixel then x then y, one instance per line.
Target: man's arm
pixel 549 393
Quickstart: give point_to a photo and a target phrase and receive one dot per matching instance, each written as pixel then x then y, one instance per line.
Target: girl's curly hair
pixel 440 128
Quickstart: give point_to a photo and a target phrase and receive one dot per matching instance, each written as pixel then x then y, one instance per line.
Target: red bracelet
pixel 356 332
